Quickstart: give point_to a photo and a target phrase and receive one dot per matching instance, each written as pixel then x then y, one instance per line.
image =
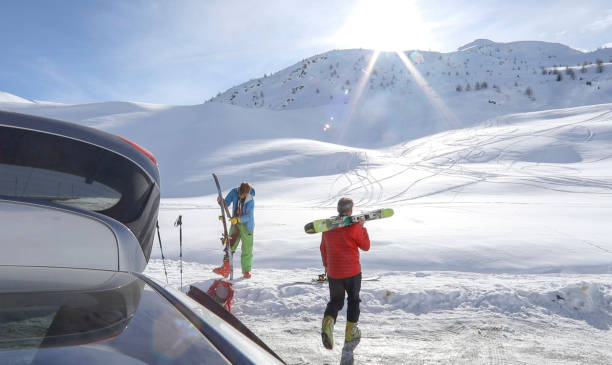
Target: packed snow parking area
pixel 428 316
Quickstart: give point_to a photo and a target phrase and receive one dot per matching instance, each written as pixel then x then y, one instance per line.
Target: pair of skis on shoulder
pixel 324 225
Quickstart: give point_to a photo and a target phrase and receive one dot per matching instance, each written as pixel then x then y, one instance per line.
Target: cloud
pixel 601 23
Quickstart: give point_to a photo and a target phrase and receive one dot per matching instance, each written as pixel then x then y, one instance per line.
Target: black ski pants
pixel 337 288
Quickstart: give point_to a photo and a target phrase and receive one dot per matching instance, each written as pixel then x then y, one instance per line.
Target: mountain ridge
pixel 333 76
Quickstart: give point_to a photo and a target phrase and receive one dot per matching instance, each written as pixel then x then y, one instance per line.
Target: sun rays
pixel 447 116
pixel 387 26
pixel 356 95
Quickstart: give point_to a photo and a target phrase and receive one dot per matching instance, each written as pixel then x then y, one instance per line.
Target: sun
pixel 384 25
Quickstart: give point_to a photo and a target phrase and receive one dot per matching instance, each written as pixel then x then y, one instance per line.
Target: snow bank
pixel 289 293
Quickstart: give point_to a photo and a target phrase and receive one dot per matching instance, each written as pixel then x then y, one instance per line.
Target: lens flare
pixel 356 95
pixel 447 116
pixel 416 57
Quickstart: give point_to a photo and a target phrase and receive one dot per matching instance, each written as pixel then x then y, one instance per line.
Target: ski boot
pixel 246 275
pixel 327 332
pixel 352 332
pixel 223 270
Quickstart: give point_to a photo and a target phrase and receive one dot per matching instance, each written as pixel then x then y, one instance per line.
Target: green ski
pixel 324 225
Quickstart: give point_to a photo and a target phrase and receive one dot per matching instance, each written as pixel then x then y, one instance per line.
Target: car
pixel 78 211
pixel 94 195
pixel 66 315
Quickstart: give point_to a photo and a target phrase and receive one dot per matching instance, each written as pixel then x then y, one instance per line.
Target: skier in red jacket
pixel 340 255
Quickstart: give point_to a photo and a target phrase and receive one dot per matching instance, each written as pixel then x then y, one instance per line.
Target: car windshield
pixel 114 318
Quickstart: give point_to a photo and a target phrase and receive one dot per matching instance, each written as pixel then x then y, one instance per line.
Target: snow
pixel 499 250
pixel 476 43
pixel 10 98
pixel 428 316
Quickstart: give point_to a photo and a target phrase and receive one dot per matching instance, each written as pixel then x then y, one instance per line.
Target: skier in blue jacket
pixel 241 230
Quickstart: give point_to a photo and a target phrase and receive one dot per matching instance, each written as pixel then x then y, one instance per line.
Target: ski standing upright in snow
pixel 243 224
pixel 225 239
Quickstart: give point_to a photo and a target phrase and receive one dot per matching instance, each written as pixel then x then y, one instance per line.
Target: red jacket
pixel 340 250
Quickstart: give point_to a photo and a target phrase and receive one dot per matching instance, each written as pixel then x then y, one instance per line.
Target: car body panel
pixel 50 161
pixel 47 234
pixel 82 133
pixel 92 316
pixel 51 315
pixel 237 347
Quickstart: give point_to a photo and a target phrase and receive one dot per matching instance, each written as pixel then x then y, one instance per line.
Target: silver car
pixel 73 196
pixel 78 211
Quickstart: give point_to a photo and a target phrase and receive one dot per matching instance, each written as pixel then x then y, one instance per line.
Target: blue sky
pixel 184 52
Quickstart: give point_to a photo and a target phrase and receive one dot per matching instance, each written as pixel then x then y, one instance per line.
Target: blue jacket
pixel 249 205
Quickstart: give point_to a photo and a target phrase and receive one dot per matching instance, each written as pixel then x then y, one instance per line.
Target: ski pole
pixel 161 250
pixel 179 223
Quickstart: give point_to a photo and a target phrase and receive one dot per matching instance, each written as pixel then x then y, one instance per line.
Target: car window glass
pixel 44 166
pixel 55 186
pixel 119 321
pixel 171 335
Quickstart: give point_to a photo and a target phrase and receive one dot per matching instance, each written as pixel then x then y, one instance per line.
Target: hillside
pixel 324 133
pixel 498 70
pixel 481 80
pixel 10 98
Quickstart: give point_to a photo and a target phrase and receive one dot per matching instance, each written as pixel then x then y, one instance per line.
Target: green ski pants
pixel 246 258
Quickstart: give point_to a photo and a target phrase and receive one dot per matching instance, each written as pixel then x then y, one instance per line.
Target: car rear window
pixel 120 321
pixel 63 170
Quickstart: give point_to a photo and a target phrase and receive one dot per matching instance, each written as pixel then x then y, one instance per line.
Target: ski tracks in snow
pixel 457 160
pixel 493 153
pixel 359 183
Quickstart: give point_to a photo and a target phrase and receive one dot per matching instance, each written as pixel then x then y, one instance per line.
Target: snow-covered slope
pixel 10 98
pixel 523 193
pixel 191 141
pixel 392 108
pixel 507 69
pixel 391 103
